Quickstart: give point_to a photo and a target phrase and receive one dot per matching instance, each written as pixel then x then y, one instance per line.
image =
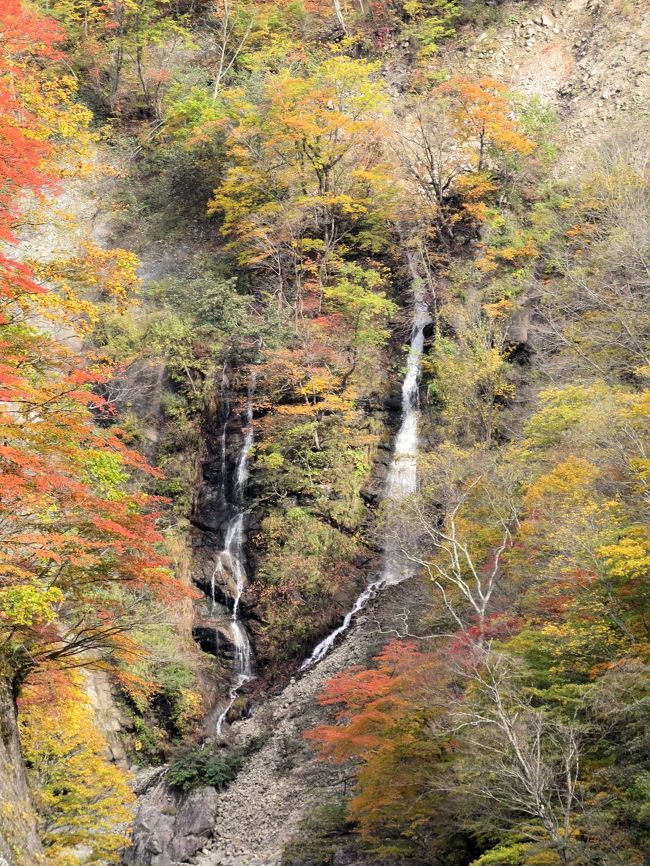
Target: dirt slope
pixel 589 59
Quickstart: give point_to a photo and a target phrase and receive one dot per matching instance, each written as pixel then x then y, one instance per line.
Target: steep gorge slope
pixel 589 60
pixel 264 379
pixel 590 63
pixel 283 782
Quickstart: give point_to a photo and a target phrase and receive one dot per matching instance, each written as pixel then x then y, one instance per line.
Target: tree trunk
pixel 115 84
pixel 19 841
pixel 339 16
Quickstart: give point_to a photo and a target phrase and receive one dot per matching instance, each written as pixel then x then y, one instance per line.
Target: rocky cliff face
pixel 172 826
pixel 18 833
pixel 588 59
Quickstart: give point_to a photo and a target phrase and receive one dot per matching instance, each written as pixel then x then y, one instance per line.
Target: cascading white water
pixel 402 473
pixel 224 401
pixel 230 561
pixel 241 476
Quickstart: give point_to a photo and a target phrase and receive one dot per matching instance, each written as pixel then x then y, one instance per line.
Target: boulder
pixel 171 826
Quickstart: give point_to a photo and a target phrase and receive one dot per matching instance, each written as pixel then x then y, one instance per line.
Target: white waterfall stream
pixel 224 399
pixel 230 560
pixel 402 473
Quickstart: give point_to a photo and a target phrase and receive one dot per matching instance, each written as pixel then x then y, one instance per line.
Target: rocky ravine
pixel 590 60
pixel 283 781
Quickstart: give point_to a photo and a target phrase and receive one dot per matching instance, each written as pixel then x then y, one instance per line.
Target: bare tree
pixel 338 9
pixel 463 500
pixel 230 41
pixel 427 147
pixel 520 762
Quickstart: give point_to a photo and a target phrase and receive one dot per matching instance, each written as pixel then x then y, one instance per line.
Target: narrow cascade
pixel 402 473
pixel 230 560
pixel 224 401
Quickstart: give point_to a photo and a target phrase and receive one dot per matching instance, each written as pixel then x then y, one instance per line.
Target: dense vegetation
pixel 507 725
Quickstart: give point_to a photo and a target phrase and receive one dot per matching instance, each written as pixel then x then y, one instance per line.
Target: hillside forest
pixel 249 249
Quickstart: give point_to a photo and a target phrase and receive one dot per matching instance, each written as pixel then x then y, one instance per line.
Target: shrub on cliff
pixel 203 765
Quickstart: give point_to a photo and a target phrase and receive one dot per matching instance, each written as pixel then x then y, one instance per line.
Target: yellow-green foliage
pixel 306 563
pixel 84 801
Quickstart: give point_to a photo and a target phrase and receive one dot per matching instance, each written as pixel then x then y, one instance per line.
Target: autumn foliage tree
pixel 83 799
pixel 122 50
pixel 300 203
pixel 305 172
pixel 72 533
pixel 386 719
pixel 456 146
pixel 536 552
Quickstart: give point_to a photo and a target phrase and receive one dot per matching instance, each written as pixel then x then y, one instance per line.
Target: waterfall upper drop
pixel 402 473
pixel 230 560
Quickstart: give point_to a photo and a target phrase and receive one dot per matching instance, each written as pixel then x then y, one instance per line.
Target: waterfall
pixel 402 473
pixel 224 402
pixel 241 476
pixel 230 560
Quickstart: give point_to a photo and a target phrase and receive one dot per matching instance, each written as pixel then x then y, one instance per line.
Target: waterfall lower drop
pixel 402 473
pixel 230 560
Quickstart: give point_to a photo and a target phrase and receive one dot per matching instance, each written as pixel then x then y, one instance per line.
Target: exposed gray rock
pixel 109 719
pixel 146 778
pixel 171 826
